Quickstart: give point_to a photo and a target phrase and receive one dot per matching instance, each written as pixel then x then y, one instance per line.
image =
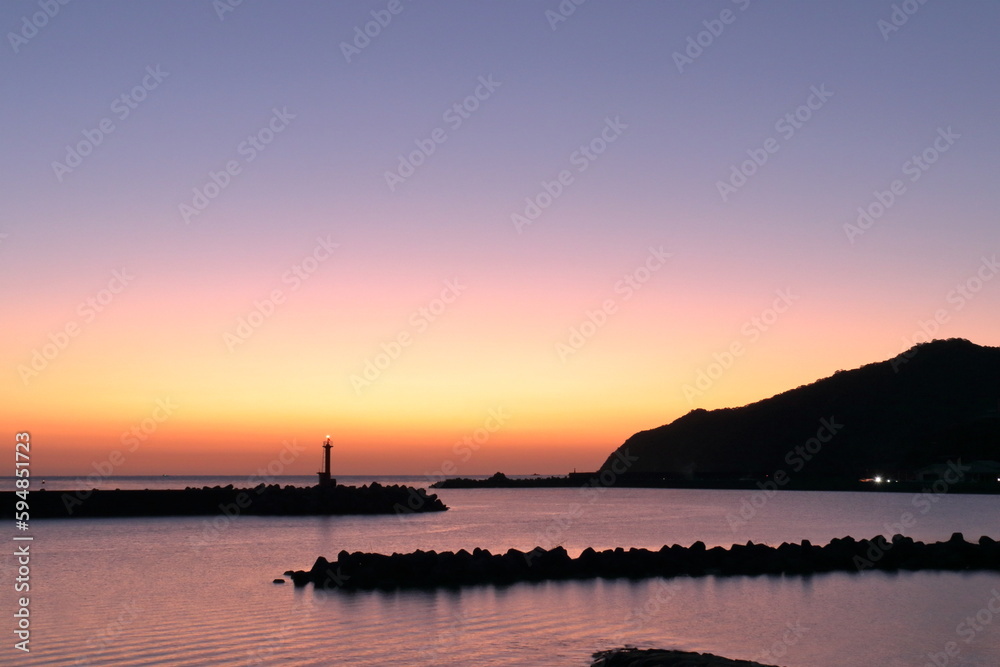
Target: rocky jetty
pixel 634 657
pixel 427 569
pixel 260 500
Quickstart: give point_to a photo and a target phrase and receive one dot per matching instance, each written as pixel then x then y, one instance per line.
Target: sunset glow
pixel 233 268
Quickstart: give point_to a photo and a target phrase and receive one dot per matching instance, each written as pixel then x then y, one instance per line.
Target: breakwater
pixel 263 499
pixel 427 569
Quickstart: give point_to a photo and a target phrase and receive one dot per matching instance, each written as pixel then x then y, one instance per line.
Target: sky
pixel 464 237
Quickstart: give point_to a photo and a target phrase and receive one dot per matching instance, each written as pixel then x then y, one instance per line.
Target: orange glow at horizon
pixel 203 406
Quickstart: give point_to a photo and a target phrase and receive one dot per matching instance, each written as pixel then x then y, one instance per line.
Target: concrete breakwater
pixel 421 569
pixel 263 499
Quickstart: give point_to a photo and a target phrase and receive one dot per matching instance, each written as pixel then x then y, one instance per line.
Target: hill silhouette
pixel 936 402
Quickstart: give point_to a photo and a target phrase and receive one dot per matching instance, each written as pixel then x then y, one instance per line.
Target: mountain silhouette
pixel 936 402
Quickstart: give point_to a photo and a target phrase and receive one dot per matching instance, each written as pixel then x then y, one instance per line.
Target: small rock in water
pixel 278 581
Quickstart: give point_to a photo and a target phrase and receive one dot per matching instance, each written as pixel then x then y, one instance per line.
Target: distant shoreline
pixel 657 481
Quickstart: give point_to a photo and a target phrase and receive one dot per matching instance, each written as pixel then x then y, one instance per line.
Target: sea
pixel 199 590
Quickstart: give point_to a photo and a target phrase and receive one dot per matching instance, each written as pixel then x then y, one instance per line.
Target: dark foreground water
pixel 198 591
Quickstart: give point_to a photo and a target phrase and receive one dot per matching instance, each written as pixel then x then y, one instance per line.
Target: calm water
pixel 187 591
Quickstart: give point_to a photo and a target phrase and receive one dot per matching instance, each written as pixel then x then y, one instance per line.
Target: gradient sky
pixel 161 351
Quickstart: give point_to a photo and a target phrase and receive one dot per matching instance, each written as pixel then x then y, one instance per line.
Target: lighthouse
pixel 324 475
